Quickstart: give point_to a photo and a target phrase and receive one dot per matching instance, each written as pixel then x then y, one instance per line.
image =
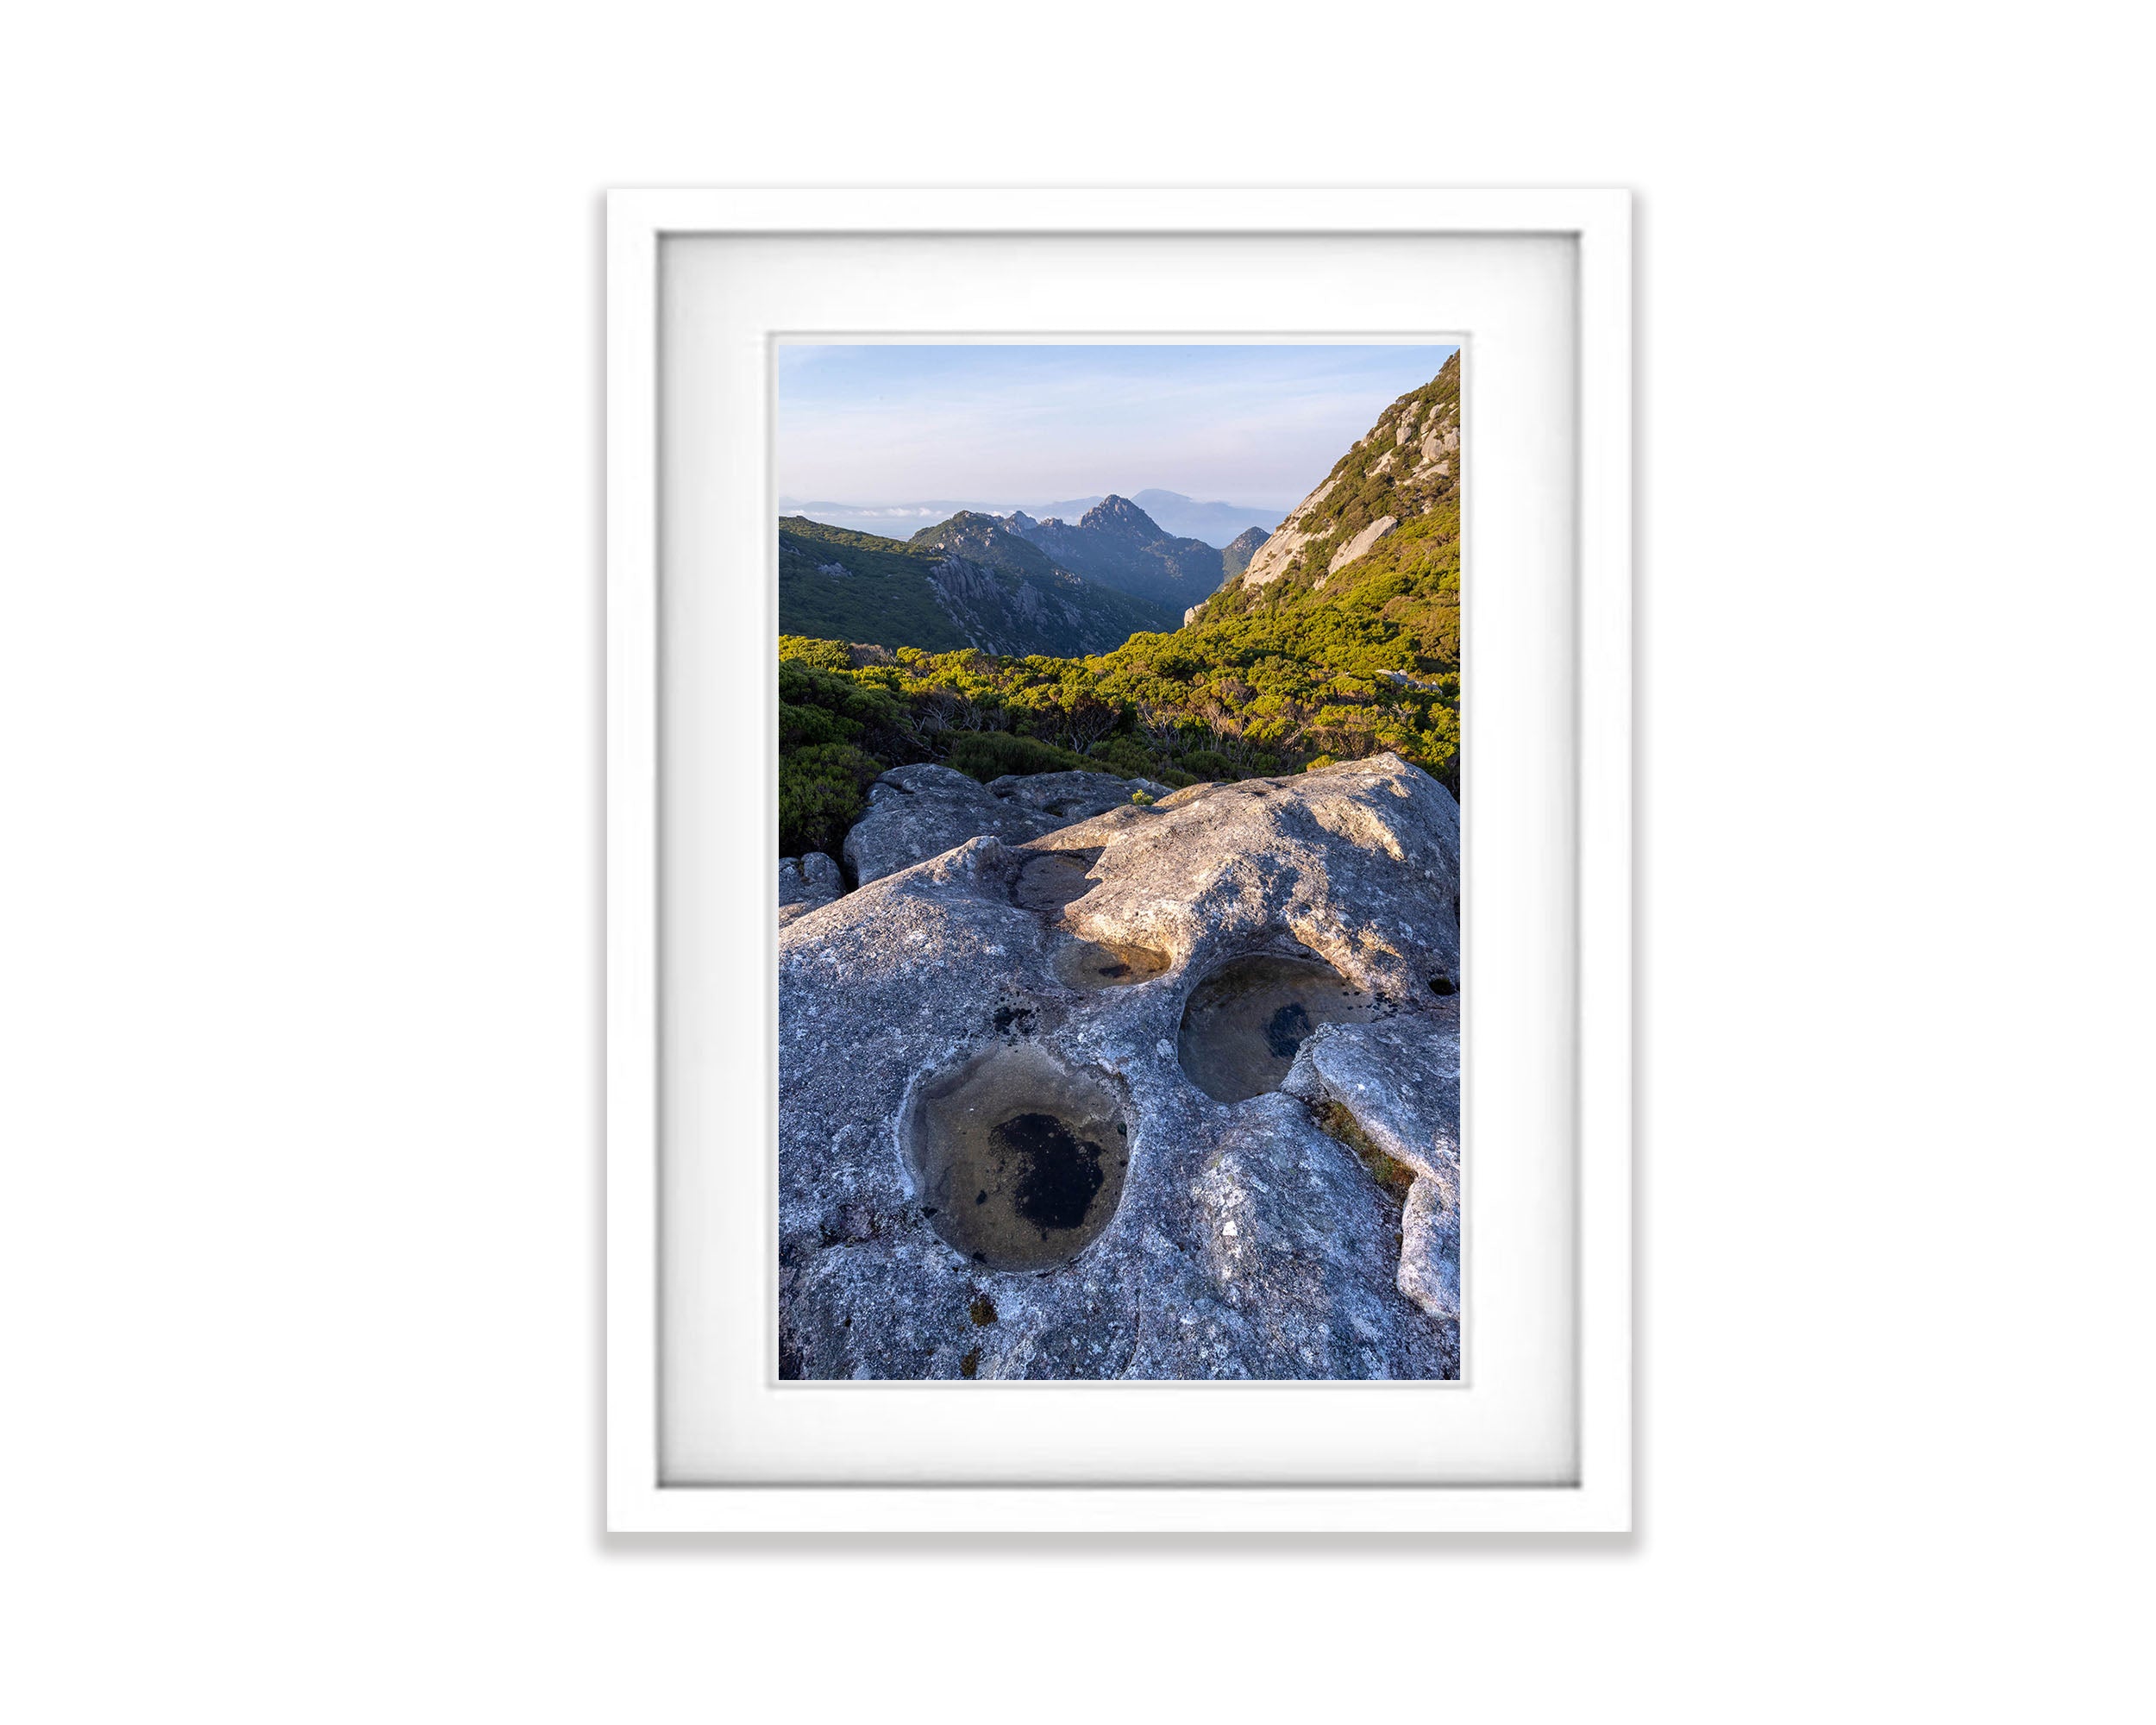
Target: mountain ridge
pixel 965 582
pixel 1117 544
pixel 1214 522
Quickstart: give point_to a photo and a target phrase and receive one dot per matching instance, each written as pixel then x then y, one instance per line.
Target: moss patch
pixel 1393 1176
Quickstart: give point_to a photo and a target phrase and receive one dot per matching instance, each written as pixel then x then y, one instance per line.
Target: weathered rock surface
pixel 1400 1080
pixel 1247 1242
pixel 1361 542
pixel 804 883
pixel 1270 561
pixel 920 811
pixel 1073 795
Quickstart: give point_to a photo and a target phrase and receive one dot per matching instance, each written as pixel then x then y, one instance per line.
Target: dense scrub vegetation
pixel 1269 682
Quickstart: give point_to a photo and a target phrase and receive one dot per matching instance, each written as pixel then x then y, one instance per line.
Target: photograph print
pixel 1119 827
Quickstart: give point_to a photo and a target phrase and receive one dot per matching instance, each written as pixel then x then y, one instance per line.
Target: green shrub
pixel 1123 754
pixel 823 791
pixel 987 755
pixel 825 655
pixel 855 709
pixel 800 726
pixel 1205 764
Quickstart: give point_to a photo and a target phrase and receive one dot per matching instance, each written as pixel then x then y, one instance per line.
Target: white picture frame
pixel 1597 1497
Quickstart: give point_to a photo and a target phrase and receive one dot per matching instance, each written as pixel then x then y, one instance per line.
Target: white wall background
pixel 298 558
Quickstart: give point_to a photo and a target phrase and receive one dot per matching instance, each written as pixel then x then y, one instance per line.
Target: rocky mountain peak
pixel 1119 545
pixel 1120 513
pixel 983 537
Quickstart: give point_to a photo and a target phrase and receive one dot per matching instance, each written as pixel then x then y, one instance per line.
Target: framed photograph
pixel 1119 892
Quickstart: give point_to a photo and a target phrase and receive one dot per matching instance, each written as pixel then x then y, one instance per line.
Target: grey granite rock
pixel 1400 1080
pixel 920 811
pixel 806 884
pixel 1247 1242
pixel 917 812
pixel 1075 796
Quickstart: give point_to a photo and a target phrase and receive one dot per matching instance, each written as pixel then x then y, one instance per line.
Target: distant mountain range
pixel 1028 593
pixel 1217 524
pixel 1119 545
pixel 966 581
pixel 1007 585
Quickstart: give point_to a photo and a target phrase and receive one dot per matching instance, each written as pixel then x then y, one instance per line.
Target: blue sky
pixel 1002 423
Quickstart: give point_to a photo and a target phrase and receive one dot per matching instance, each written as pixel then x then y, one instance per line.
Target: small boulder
pixel 806 884
pixel 920 812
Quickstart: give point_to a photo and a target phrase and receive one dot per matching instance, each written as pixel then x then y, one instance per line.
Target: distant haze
pixel 1207 439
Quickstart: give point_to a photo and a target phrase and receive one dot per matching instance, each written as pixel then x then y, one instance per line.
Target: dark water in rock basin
pixel 1020 1160
pixel 1244 1022
pixel 1058 1174
pixel 1090 964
